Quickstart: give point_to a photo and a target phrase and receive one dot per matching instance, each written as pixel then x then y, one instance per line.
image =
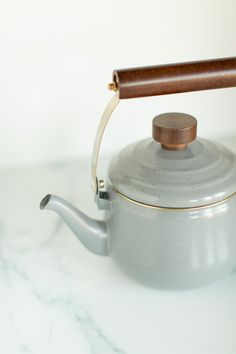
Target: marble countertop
pixel 56 297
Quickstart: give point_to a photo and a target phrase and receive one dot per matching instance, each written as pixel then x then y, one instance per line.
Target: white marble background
pixel 56 297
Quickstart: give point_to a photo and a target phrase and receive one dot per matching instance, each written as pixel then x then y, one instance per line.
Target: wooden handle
pixel 175 78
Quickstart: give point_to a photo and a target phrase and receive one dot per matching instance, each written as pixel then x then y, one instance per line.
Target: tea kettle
pixel 170 200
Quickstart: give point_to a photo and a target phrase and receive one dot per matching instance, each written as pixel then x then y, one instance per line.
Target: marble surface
pixel 56 297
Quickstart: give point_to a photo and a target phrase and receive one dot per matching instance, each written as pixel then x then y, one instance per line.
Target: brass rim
pixel 170 208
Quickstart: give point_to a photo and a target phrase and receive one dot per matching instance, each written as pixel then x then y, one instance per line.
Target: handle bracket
pixel 98 184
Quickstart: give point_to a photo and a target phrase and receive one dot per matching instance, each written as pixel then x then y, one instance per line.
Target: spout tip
pixel 45 201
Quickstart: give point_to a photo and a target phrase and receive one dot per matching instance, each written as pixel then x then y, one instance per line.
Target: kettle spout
pixel 90 232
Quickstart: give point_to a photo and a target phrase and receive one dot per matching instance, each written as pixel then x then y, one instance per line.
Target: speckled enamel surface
pixel 172 249
pixel 202 174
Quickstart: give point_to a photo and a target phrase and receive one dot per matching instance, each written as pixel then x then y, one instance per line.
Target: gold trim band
pixel 170 208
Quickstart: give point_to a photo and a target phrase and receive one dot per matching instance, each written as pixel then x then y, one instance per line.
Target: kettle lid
pixel 173 169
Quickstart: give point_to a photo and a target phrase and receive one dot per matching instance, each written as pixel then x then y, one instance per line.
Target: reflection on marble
pixel 56 297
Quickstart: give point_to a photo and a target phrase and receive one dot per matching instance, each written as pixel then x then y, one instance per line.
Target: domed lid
pixel 174 173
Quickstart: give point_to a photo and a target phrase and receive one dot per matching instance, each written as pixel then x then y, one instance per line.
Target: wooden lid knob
pixel 174 130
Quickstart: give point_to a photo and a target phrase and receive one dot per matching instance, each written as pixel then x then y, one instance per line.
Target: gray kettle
pixel 169 199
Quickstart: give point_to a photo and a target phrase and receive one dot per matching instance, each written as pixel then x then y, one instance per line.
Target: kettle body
pixel 171 216
pixel 172 248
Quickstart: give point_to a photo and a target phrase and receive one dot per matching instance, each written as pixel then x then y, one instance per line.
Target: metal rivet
pixel 112 86
pixel 101 184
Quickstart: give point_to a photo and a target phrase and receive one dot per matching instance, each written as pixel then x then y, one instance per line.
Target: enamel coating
pixel 202 174
pixel 172 249
pixel 91 233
